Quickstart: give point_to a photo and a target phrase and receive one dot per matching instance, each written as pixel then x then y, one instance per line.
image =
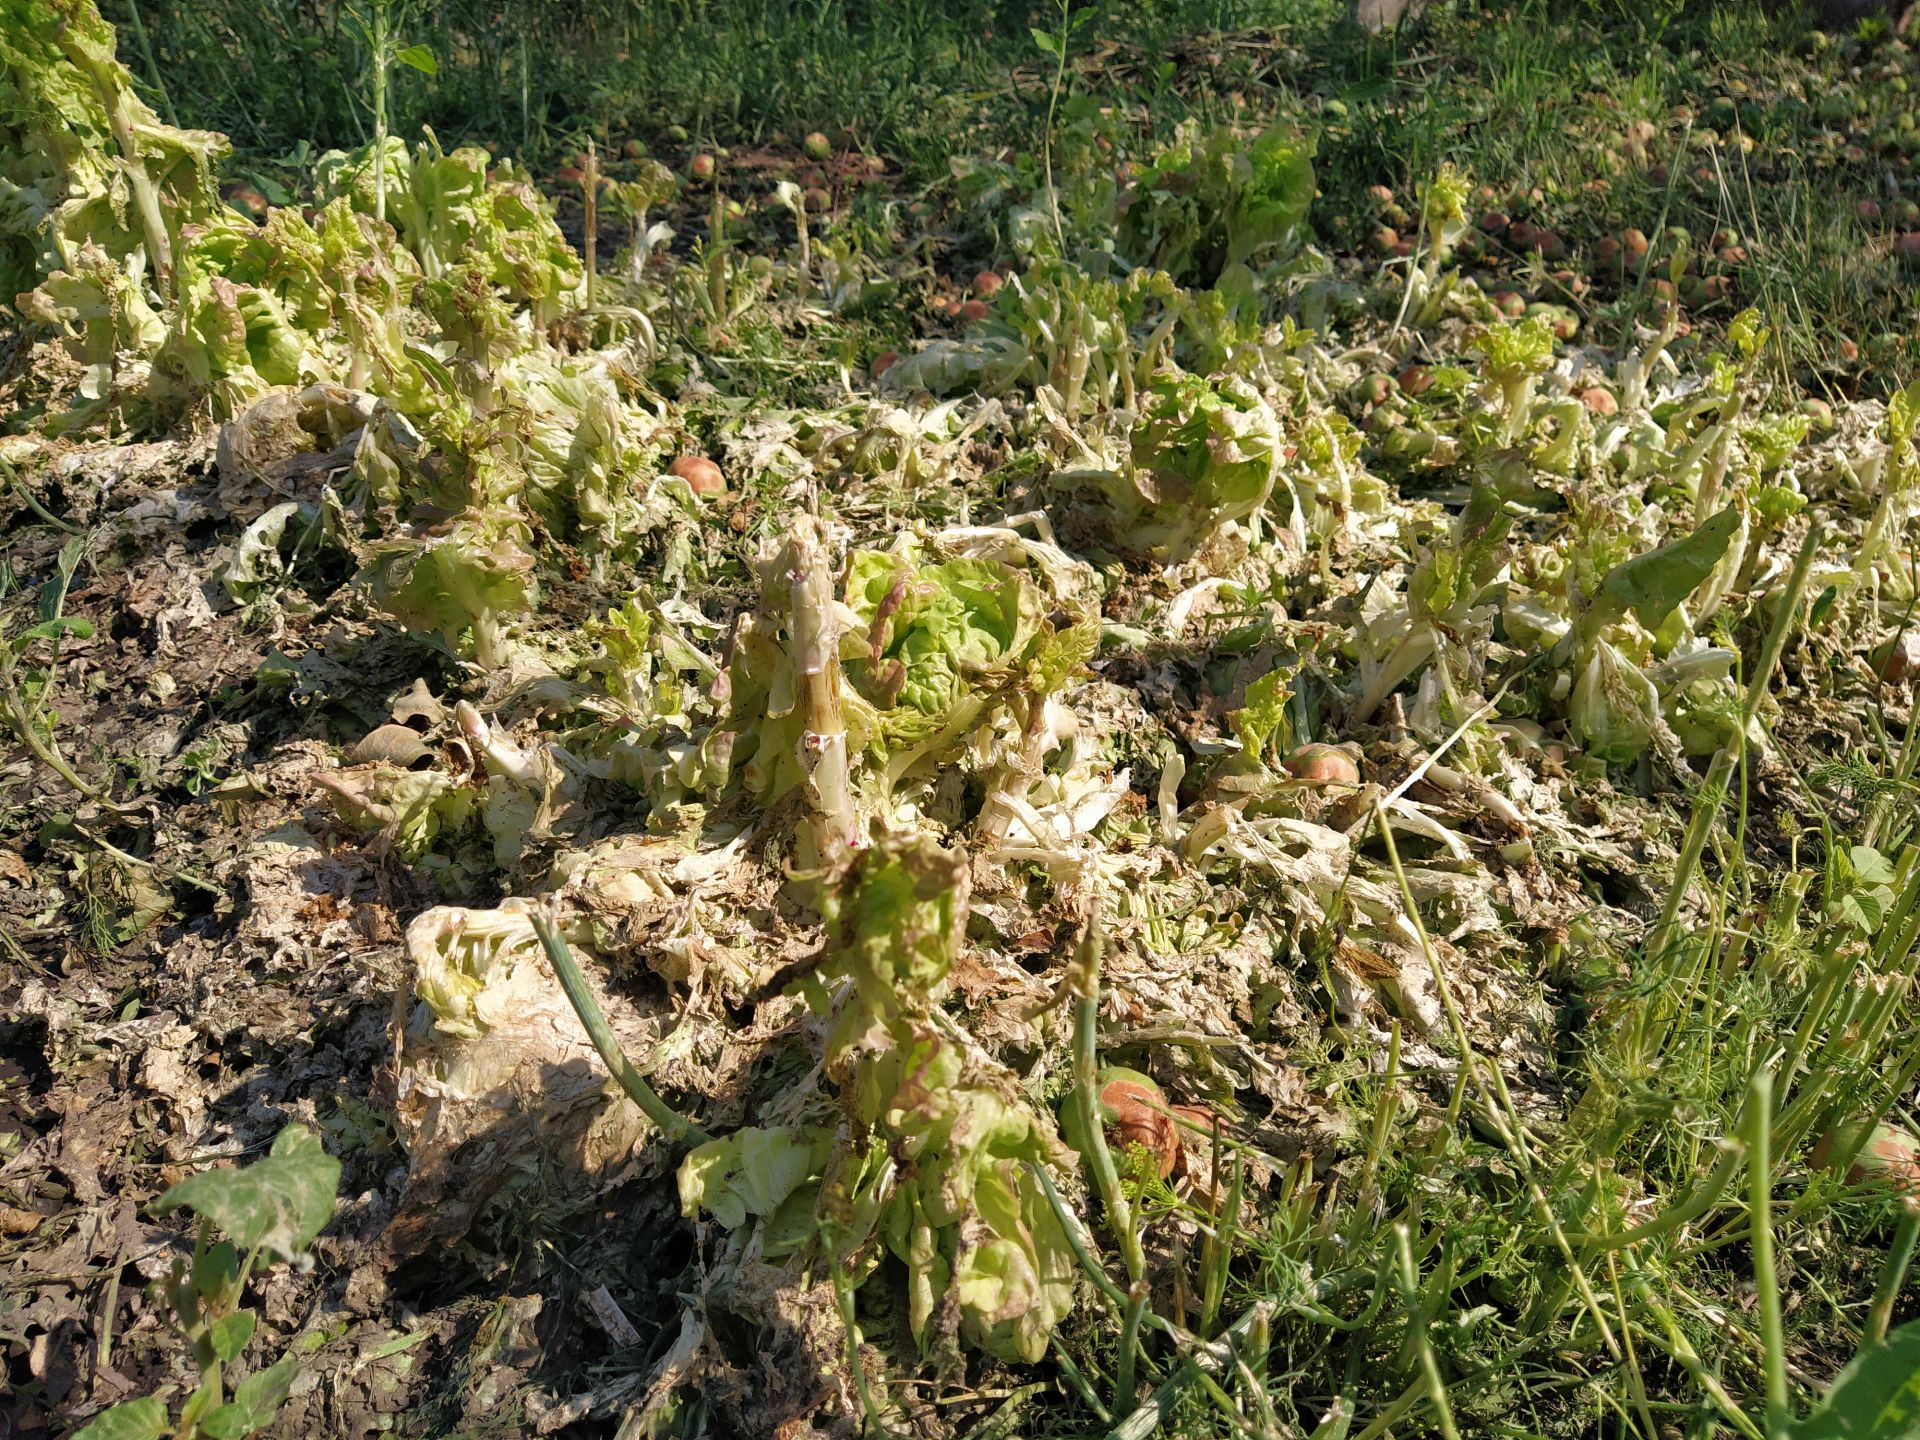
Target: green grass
pixel 1533 103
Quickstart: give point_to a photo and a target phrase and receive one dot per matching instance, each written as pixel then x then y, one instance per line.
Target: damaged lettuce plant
pixel 931 1165
pixel 1203 454
pixel 850 699
pixel 1213 199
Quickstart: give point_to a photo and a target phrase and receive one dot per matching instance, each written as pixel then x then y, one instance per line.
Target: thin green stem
pixel 1417 1328
pixel 1495 1099
pixel 1766 1282
pixel 1893 1278
pixel 381 43
pixel 1086 1102
pixel 153 68
pixel 44 747
pixel 673 1124
pixel 1046 139
pixel 1123 1400
pixel 32 501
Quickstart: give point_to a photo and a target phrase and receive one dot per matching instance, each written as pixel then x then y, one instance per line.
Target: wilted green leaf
pixel 1653 584
pixel 278 1204
pixel 1212 199
pixel 464 582
pixel 750 1172
pixel 256 564
pixel 944 621
pixel 1615 708
pixel 1452 573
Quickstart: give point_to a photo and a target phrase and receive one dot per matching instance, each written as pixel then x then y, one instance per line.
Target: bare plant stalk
pixel 815 634
pixel 153 67
pixel 382 38
pixel 1053 104
pixel 1893 1278
pixel 1086 1098
pixel 717 255
pixel 44 748
pixel 117 98
pixel 1217 1252
pixel 590 182
pixel 1423 1347
pixel 1760 1215
pixel 1123 1386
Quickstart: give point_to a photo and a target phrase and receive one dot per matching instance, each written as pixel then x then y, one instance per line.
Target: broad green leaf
pixel 1864 910
pixel 1271 212
pixel 229 1334
pixel 1870 865
pixel 420 58
pixel 751 1172
pixel 1048 43
pixel 142 1419
pixel 279 1203
pixel 53 629
pixel 1877 1397
pixel 261 1394
pixel 215 1270
pixel 1651 585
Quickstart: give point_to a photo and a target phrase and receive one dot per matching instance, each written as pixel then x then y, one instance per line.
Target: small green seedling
pixel 274 1209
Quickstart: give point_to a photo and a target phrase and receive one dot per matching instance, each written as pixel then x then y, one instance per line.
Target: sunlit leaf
pixel 1651 585
pixel 278 1204
pixel 229 1333
pixel 418 57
